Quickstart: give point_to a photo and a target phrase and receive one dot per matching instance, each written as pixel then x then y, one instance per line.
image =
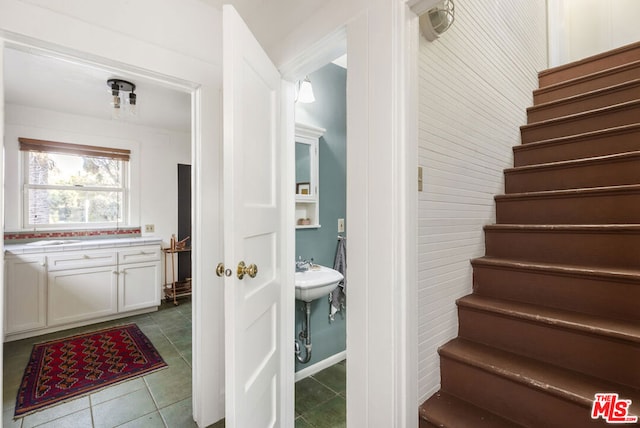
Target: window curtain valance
pixel 32 145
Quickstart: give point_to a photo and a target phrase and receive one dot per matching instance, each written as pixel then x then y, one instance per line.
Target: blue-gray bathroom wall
pixel 329 112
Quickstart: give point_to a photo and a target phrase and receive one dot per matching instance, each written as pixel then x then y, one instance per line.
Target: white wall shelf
pixel 307 176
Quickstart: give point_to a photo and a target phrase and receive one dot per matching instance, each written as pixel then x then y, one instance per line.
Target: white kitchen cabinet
pixel 25 293
pixel 82 285
pixel 138 278
pixel 82 294
pixel 64 288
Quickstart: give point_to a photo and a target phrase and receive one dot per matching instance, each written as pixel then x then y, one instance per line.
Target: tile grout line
pixel 93 423
pixel 155 403
pixel 327 386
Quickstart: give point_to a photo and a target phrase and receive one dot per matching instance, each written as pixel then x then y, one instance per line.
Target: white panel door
pixel 253 152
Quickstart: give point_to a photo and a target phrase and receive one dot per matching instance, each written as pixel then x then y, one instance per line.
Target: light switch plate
pixel 340 225
pixel 149 228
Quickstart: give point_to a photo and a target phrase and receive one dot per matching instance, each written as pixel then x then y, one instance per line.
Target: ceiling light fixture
pixel 118 103
pixel 305 93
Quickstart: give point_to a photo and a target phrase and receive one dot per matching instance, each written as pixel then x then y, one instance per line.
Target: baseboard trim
pixel 320 365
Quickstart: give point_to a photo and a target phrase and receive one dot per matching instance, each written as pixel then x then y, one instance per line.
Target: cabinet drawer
pixel 81 260
pixel 139 254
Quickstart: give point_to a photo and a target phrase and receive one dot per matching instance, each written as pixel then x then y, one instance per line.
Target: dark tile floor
pixel 321 399
pixel 161 399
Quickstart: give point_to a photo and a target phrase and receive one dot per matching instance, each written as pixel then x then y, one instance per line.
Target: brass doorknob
pixel 243 269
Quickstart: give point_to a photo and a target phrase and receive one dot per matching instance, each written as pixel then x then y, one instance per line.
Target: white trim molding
pixel 320 365
pixel 381 172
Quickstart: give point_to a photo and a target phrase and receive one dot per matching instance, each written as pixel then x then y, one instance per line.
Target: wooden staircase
pixel 555 312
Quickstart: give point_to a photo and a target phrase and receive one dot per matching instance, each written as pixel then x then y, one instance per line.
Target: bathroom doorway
pixel 321 381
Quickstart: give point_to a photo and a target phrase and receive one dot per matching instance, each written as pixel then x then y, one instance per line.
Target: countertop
pixel 75 245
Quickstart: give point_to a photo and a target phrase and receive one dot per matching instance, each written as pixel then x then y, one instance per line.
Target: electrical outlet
pixel 149 228
pixel 340 225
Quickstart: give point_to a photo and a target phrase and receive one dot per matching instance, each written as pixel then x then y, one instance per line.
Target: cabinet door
pixel 139 286
pixel 25 298
pixel 81 294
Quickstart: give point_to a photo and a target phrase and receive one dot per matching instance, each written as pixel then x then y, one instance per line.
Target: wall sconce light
pixel 305 92
pixel 129 104
pixel 436 18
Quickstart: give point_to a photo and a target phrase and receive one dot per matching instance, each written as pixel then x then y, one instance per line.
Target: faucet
pixel 303 265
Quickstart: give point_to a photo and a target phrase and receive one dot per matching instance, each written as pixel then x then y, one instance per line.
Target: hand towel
pixel 337 296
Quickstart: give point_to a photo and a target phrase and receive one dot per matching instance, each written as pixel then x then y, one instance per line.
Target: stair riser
pixel 598 356
pixel 605 99
pixel 593 174
pixel 605 249
pixel 579 148
pixel 581 124
pixel 607 208
pixel 601 62
pixel 583 86
pixel 606 298
pixel 514 401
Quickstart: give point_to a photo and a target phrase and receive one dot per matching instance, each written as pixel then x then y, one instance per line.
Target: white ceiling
pixel 272 20
pixel 51 83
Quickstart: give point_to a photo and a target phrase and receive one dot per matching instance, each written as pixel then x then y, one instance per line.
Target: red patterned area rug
pixel 74 366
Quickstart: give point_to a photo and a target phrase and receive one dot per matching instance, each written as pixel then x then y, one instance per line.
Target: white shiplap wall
pixel 475 83
pixel 580 28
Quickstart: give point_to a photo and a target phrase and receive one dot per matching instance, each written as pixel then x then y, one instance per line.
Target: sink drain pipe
pixel 305 335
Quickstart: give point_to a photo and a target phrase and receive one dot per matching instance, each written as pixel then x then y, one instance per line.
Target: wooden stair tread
pixel 619 274
pixel 582 115
pixel 588 324
pixel 578 192
pixel 623 129
pixel 446 410
pixel 581 145
pixel 613 130
pixel 589 60
pixel 596 243
pixel 566 384
pixel 588 77
pixel 616 157
pixel 595 228
pixel 589 94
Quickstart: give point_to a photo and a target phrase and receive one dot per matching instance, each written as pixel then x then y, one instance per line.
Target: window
pixel 73 185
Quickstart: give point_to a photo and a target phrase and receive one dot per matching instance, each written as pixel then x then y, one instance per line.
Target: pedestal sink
pixel 311 284
pixel 316 282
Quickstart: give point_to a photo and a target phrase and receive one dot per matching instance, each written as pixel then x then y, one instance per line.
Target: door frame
pixel 382 45
pixel 206 217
